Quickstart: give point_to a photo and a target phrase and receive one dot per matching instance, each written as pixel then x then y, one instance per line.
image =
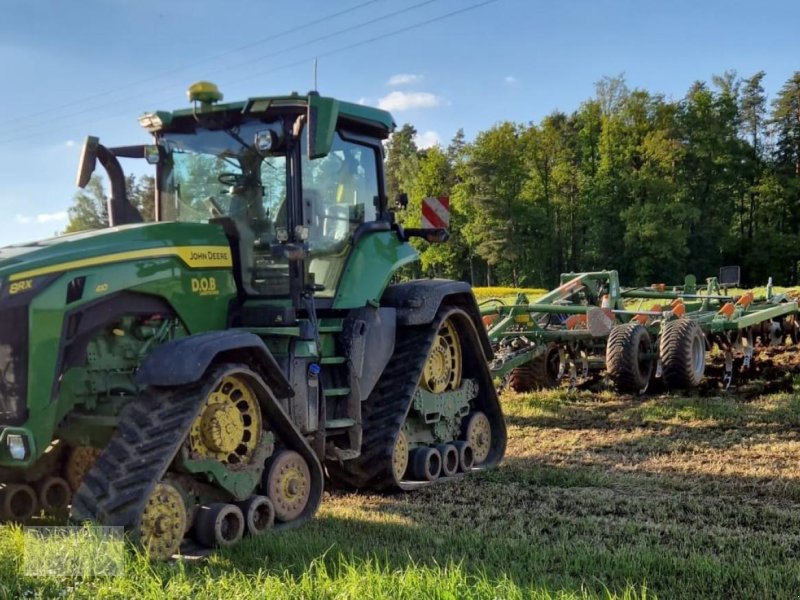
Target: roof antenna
pixel 315 75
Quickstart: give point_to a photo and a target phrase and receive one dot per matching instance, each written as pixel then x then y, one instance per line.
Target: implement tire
pixel 630 358
pixel 541 373
pixel 682 350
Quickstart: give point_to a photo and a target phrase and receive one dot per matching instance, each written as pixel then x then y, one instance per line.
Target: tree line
pixel 631 180
pixel 653 187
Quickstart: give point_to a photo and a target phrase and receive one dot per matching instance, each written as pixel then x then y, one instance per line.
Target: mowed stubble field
pixel 600 495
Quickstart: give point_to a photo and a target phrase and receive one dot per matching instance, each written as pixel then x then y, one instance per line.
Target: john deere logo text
pixel 21 286
pixel 209 255
pixel 205 286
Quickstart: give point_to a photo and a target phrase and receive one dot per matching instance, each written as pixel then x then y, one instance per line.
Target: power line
pixel 88 109
pixel 188 66
pixel 338 50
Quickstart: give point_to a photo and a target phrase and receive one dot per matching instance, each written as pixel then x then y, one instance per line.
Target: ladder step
pixel 333 360
pixel 339 423
pixel 336 391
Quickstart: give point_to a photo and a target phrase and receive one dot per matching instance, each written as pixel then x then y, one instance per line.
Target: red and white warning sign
pixel 436 212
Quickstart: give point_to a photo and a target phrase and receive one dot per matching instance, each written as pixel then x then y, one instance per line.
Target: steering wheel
pixel 235 179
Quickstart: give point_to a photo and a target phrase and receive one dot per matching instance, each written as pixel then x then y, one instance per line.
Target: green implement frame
pixel 589 324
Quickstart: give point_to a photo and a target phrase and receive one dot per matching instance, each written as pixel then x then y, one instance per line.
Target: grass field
pixel 600 495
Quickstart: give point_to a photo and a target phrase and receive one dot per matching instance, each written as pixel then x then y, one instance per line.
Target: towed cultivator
pixel 590 324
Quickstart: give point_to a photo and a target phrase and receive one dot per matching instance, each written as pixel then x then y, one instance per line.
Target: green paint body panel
pixel 167 277
pixel 372 262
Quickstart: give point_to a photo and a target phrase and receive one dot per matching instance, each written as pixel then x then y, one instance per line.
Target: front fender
pixel 186 360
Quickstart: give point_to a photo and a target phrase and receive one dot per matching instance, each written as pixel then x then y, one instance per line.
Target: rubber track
pixel 385 411
pixel 622 362
pixel 151 429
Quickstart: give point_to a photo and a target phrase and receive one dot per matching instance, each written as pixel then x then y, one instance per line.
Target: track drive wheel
pixel 478 434
pixel 630 358
pixel 288 484
pixel 542 373
pixel 79 461
pixel 164 522
pixel 683 354
pixel 443 367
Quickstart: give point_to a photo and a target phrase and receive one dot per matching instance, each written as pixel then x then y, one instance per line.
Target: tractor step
pixel 339 423
pixel 329 392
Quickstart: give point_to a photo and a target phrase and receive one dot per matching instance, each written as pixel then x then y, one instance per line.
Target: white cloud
pixel 362 101
pixel 51 217
pixel 398 101
pixel 511 80
pixel 427 139
pixel 70 143
pixel 43 218
pixel 404 79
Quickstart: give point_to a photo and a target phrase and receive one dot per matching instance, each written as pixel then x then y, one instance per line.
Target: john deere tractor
pixel 200 377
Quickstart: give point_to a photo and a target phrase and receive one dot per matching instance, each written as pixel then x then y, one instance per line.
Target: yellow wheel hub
pixel 479 436
pixel 442 370
pixel 229 424
pixel 289 485
pixel 163 522
pixel 400 456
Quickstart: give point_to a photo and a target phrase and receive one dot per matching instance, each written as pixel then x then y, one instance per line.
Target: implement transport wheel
pixel 630 358
pixel 164 522
pixel 79 462
pixel 443 367
pixel 541 373
pixel 683 354
pixel 400 456
pixel 288 484
pixel 478 434
pixel 219 525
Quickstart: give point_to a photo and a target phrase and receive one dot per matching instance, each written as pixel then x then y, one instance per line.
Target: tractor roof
pixel 207 104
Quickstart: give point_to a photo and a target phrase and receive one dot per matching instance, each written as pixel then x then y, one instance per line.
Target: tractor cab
pixel 292 180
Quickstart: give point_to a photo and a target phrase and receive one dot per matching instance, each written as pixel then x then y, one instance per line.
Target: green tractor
pixel 199 377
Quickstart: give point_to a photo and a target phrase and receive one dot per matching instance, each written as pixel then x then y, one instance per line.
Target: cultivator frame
pixel 588 325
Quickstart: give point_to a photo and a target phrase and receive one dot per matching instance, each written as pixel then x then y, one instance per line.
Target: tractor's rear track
pixel 385 411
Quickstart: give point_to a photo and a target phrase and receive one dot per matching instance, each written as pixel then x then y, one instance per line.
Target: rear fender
pixel 417 303
pixel 186 360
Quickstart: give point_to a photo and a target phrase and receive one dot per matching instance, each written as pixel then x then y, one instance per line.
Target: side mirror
pixel 320 124
pixel 88 160
pixel 401 202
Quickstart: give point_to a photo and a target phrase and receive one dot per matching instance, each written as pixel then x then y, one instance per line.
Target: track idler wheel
pixel 683 354
pixel 449 455
pixel 54 494
pixel 18 502
pixel 426 464
pixel 219 525
pixel 164 522
pixel 400 454
pixel 478 434
pixel 259 514
pixel 288 484
pixel 466 456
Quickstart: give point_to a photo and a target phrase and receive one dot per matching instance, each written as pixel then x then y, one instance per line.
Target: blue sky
pixel 70 69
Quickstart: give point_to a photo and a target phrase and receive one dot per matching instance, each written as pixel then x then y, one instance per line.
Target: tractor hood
pixel 104 246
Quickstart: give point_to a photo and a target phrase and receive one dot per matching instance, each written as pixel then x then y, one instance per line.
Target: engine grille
pixel 13 364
